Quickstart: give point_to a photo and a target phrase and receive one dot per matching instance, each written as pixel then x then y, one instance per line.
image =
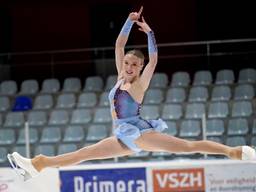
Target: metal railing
pixel 168 52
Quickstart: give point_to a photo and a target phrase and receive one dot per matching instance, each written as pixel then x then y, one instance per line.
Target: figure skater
pixel 131 132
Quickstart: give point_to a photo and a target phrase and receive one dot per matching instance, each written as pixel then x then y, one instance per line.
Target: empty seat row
pixel 201 78
pixel 214 127
pixel 60 147
pixel 56 117
pixel 31 86
pixel 153 96
pixel 204 78
pixel 49 134
pixel 197 110
pixel 47 149
pixel 201 94
pixel 102 114
pixel 225 76
pixel 96 132
pixel 96 83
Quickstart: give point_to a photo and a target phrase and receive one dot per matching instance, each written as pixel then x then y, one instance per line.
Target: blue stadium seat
pixel 22 103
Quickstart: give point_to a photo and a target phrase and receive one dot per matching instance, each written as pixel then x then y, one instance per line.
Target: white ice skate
pixel 248 153
pixel 22 166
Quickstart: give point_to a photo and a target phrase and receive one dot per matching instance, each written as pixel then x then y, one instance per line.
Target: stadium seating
pixel 247 76
pixel 94 84
pixel 225 77
pixel 71 84
pixel 221 93
pixel 175 95
pixel 29 87
pixel 180 79
pixel 159 80
pixel 9 88
pixel 63 119
pixel 50 86
pixel 202 78
pixel 87 100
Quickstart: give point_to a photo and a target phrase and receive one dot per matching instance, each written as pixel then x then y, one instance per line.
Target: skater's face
pixel 132 66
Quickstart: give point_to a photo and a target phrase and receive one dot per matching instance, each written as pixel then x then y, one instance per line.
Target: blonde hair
pixel 138 53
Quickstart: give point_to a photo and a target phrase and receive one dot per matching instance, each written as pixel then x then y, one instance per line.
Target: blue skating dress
pixel 127 123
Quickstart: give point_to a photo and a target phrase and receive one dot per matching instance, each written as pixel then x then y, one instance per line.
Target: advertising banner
pixel 104 180
pixel 231 178
pixel 222 176
pixel 179 180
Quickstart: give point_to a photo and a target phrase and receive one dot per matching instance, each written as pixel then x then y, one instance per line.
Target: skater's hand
pixel 143 26
pixel 135 16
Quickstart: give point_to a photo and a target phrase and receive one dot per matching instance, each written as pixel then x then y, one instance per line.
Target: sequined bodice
pixel 122 103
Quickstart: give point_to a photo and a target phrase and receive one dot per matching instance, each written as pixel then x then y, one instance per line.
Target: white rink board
pixel 165 176
pixel 48 180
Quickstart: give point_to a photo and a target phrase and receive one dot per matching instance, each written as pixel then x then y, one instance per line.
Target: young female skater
pixel 131 132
